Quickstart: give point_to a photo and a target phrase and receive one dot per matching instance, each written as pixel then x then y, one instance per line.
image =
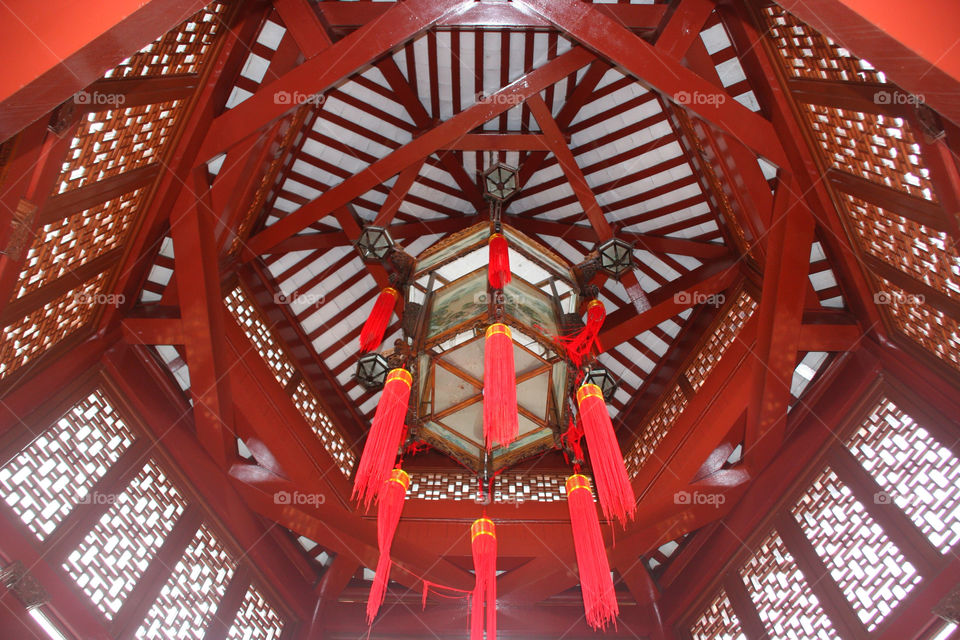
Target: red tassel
pixel 383 440
pixel 498 267
pixel 483 542
pixel 578 345
pixel 376 325
pixel 599 598
pixel 500 418
pixel 613 485
pixel 389 508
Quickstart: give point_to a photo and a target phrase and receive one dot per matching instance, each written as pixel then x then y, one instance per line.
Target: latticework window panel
pixel 260 335
pixel 56 471
pixel 308 406
pixel 929 327
pixel 179 51
pixel 806 53
pixel 116 552
pixel 256 619
pixel 868 567
pixel 722 336
pixel 111 142
pixel 283 369
pixel 875 147
pixel 718 621
pixel 442 486
pixel 925 254
pixel 655 430
pixel 510 487
pixel 782 595
pixel 77 239
pixel 33 334
pixel 190 596
pixel 917 472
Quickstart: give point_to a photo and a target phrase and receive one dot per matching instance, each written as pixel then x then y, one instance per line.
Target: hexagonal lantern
pixel 603 379
pixel 375 243
pixel 372 369
pixel 450 280
pixel 616 257
pixel 500 182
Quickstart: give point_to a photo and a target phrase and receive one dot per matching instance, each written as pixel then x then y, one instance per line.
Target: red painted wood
pixel 418 148
pixel 61 47
pixel 918 53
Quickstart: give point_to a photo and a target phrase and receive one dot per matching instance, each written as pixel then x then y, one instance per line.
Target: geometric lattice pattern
pixel 56 471
pixel 116 552
pixel 260 335
pixel 256 619
pixel 782 595
pixel 656 430
pixel 929 327
pixel 309 407
pixel 179 51
pixel 189 599
pixel 75 240
pixel 111 142
pixel 924 254
pixel 718 621
pixel 41 329
pixel 866 565
pixel 920 475
pixel 808 54
pixel 509 487
pixel 280 363
pixel 722 336
pixel 876 147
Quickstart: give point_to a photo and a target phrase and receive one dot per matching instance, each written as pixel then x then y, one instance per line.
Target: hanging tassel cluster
pixel 613 485
pixel 498 267
pixel 500 418
pixel 376 325
pixel 383 440
pixel 599 598
pixel 389 508
pixel 483 542
pixel 579 344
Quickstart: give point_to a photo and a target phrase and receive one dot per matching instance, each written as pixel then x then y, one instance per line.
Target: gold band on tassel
pixel 401 477
pixel 578 481
pixel 482 527
pixel 495 235
pixel 499 327
pixel 589 391
pixel 399 374
pixel 595 303
pixel 392 291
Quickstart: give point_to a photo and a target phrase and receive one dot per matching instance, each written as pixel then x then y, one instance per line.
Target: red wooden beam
pixel 61 47
pixel 152 331
pixel 593 28
pixel 919 53
pixel 683 27
pixel 780 315
pixel 420 147
pixel 323 71
pixel 667 301
pixel 202 323
pixel 487 14
pixel 829 337
pixel 300 18
pixel 498 142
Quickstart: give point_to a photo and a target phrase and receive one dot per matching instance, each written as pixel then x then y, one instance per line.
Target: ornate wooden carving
pixel 20 229
pixel 23 585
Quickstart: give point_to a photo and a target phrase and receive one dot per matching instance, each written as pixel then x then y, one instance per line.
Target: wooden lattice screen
pixel 841 527
pixel 655 429
pixel 107 143
pixel 883 149
pixel 304 397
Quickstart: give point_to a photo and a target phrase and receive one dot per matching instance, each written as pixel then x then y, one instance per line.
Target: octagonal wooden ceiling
pixel 256 140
